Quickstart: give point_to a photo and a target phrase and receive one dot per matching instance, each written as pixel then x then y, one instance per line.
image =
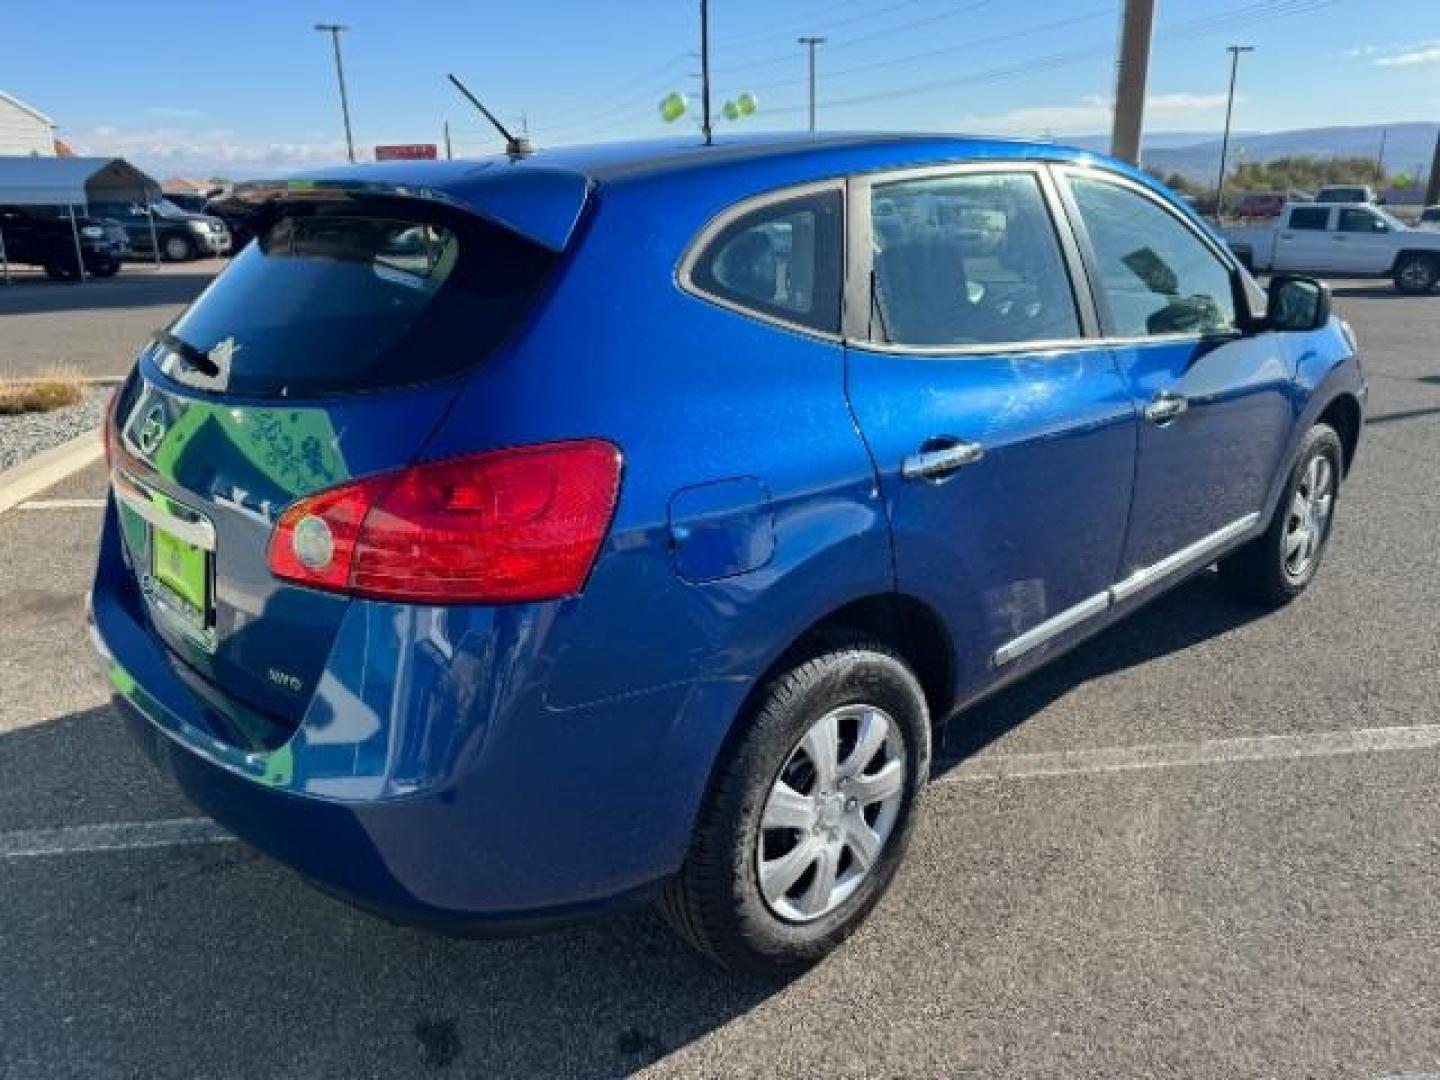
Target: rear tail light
pixel 498 527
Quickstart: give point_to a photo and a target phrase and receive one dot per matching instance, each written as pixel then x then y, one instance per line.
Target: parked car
pixel 182 235
pixel 1430 219
pixel 1350 193
pixel 40 236
pixel 495 545
pixel 1261 204
pixel 1342 239
pixel 235 222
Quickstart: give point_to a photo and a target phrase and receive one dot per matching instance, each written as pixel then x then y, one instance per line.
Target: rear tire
pixel 60 271
pixel 1416 275
pixel 771 808
pixel 105 269
pixel 1278 565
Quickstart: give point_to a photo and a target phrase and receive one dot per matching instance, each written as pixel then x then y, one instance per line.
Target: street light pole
pixel 335 30
pixel 1132 70
pixel 810 43
pixel 705 71
pixel 1234 51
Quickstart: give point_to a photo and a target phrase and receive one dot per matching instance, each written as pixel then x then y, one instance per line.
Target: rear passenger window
pixel 1158 277
pixel 1361 221
pixel 968 260
pixel 782 260
pixel 1310 218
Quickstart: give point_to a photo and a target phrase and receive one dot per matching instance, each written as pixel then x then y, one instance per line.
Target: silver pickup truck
pixel 1341 240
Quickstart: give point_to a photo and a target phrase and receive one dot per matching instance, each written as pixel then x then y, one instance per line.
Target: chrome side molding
pixel 1187 556
pixel 1138 582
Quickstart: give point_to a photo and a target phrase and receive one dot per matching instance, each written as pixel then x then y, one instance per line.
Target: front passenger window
pixel 1157 276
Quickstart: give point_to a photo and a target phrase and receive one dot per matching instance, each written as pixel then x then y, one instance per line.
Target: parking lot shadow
pixel 1194 612
pixel 132 288
pixel 211 960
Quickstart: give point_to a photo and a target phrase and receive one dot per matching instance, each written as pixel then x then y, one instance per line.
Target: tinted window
pixel 968 260
pixel 1312 218
pixel 332 300
pixel 781 260
pixel 1157 276
pixel 1361 221
pixel 1432 214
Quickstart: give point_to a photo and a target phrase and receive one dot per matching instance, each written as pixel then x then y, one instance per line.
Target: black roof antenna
pixel 514 147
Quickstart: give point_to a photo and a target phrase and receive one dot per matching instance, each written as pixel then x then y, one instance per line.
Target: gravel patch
pixel 24 436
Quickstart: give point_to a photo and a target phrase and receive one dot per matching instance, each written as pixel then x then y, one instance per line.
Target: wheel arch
pixel 1404 253
pixel 1343 414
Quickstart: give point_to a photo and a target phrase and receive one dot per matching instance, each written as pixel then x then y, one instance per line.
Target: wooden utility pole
pixel 1131 72
pixel 810 43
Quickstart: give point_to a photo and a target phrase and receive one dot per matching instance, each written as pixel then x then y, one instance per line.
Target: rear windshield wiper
pixel 192 356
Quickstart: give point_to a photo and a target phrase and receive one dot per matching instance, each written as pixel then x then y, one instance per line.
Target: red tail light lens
pixel 500 527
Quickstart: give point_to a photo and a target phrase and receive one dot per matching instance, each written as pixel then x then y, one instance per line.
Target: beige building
pixel 24 130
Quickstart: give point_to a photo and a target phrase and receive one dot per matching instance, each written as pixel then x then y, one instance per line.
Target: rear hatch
pixel 329 350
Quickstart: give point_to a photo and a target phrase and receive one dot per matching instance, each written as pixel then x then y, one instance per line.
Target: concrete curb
pixel 48 468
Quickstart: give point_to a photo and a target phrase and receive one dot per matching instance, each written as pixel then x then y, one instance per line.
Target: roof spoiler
pixel 542 204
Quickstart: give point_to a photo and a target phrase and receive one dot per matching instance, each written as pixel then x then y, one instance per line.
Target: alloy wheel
pixel 1309 516
pixel 830 812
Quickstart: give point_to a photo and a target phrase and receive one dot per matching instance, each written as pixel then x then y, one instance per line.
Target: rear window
pixel 1313 218
pixel 333 300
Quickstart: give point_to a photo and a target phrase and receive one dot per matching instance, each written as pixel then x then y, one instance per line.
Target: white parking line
pixel 62 504
pixel 1212 752
pixel 129 836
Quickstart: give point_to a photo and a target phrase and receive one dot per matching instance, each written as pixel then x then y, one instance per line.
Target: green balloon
pixel 747 104
pixel 672 107
pixel 731 110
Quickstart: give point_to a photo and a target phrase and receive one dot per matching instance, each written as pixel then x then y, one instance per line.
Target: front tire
pixel 177 249
pixel 809 813
pixel 1416 275
pixel 1278 565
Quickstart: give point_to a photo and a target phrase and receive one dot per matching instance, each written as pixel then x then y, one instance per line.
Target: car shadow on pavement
pixel 1196 611
pixel 132 288
pixel 1377 291
pixel 212 960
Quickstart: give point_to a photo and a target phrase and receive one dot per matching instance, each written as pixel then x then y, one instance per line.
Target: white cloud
pixel 1092 113
pixel 1411 54
pixel 1412 58
pixel 216 152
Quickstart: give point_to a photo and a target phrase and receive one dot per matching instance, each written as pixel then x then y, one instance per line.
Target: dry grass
pixel 45 393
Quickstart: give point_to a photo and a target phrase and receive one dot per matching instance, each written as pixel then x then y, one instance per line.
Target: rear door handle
pixel 1165 407
pixel 939 457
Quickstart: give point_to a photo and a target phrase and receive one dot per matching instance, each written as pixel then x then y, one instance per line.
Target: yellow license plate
pixel 183 569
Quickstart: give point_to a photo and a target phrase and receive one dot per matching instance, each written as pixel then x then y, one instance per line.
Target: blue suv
pixel 494 542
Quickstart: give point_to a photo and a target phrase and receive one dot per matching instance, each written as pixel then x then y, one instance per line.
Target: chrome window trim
pixel 1201 552
pixel 1064 171
pixel 860 260
pixel 684 272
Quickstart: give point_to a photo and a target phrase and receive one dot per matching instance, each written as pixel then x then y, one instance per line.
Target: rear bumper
pixel 434 791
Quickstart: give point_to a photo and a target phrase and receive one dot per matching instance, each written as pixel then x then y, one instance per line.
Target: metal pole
pixel 1380 158
pixel 1132 70
pixel 79 255
pixel 705 71
pixel 335 30
pixel 810 43
pixel 448 155
pixel 154 239
pixel 1432 189
pixel 1234 51
pixel 4 258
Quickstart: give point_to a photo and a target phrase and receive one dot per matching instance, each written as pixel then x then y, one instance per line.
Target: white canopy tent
pixel 72 182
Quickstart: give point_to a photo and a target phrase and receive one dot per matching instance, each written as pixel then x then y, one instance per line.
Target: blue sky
pixel 245 88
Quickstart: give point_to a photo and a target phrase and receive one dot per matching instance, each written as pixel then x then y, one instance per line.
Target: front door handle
pixel 1165 407
pixel 940 457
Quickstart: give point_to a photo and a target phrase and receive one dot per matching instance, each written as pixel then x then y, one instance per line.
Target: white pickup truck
pixel 1340 240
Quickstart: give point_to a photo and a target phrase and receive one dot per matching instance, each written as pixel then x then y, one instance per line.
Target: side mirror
pixel 1297 303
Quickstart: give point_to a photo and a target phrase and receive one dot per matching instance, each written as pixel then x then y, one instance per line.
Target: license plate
pixel 180 584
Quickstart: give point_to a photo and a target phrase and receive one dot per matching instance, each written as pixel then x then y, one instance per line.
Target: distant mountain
pixel 1196 155
pixel 1408 148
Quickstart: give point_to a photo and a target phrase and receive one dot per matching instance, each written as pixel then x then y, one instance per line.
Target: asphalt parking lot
pixel 1205 844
